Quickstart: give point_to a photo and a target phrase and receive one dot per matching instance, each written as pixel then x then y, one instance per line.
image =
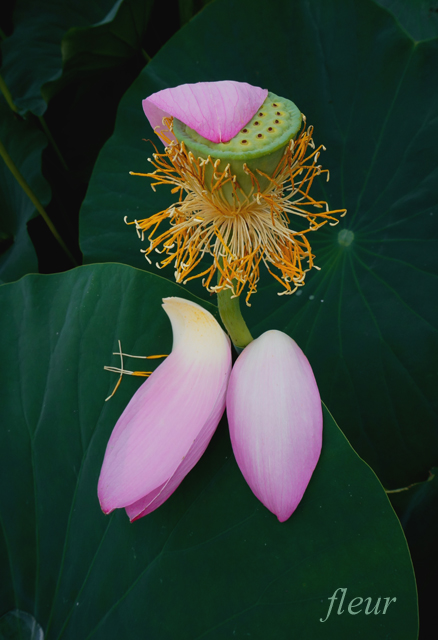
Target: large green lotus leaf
pixel 211 562
pixel 24 143
pixel 418 17
pixel 32 54
pixel 371 93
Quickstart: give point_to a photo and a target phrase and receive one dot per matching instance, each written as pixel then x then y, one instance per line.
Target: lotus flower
pixel 275 419
pixel 241 162
pixel 170 420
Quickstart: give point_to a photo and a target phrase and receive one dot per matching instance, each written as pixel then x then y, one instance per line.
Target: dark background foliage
pixel 87 59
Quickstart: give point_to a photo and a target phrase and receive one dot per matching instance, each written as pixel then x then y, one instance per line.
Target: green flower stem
pixel 38 206
pixel 229 309
pixel 52 141
pixel 7 94
pixel 432 473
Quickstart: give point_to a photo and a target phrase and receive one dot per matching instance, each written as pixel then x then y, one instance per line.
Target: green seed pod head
pixel 260 143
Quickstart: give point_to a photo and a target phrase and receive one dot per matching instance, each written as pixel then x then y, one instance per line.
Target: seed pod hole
pixel 244 142
pixel 259 135
pixel 256 123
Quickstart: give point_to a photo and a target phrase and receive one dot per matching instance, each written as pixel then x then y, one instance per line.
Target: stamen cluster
pixel 254 229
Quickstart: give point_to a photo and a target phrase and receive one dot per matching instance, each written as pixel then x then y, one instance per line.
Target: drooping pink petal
pixel 153 500
pixel 215 110
pixel 275 418
pixel 171 418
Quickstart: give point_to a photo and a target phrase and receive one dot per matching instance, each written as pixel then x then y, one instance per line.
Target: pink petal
pixel 171 418
pixel 153 500
pixel 215 110
pixel 275 418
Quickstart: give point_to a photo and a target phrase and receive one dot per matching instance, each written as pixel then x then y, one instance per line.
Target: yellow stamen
pixel 254 230
pixel 122 371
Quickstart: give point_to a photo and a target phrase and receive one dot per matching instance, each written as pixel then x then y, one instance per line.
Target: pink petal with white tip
pixel 215 110
pixel 275 418
pixel 170 420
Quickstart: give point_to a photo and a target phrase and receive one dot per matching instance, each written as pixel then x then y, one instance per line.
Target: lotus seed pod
pixel 260 144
